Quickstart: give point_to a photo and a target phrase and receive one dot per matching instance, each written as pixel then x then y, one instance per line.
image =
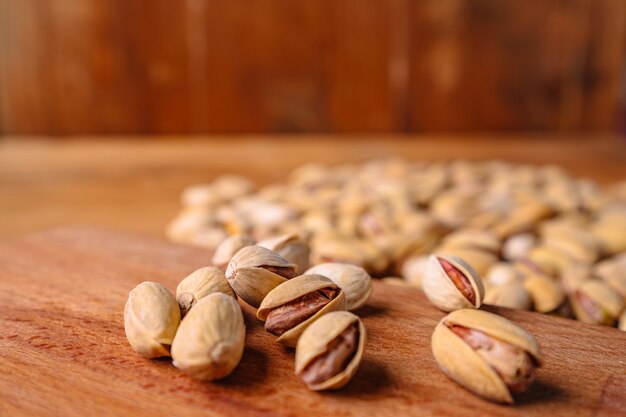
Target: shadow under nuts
pixel 329 351
pixel 451 284
pixel 209 343
pixel 292 306
pixel 151 317
pixel 199 284
pixel 485 353
pixel 254 271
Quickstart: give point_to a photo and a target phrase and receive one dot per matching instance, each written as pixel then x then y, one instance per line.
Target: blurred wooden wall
pixel 196 66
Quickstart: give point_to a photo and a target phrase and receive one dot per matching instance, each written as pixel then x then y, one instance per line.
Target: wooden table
pixel 134 183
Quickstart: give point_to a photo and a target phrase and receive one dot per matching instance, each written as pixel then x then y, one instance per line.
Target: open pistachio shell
pixel 479 259
pixel 464 365
pixel 199 284
pixel 249 276
pixel 511 295
pixel 314 342
pixel 228 248
pixel 353 280
pixel 442 291
pixel 608 303
pixel 296 288
pixel 290 247
pixel 547 294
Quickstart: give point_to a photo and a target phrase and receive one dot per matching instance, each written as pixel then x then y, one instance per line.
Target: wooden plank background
pixel 207 66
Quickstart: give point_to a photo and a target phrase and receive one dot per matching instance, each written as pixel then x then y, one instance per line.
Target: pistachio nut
pixel 151 317
pixel 523 218
pixel 503 273
pixel 610 235
pixel 550 260
pixel 290 247
pixel 511 294
pixel 595 302
pixel 329 351
pixel 479 259
pixel 414 270
pixel 353 280
pixel 188 222
pixel 518 246
pixel 254 271
pixel 200 195
pixel 580 250
pixel 451 284
pixel 293 305
pixel 485 353
pixel 548 295
pixel 473 238
pixel 228 248
pixel 199 284
pixel 209 343
pixel 208 237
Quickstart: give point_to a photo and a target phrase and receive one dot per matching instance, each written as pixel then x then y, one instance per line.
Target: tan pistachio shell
pixel 442 292
pixel 247 277
pixel 353 280
pixel 314 342
pixel 151 318
pixel 209 343
pixel 580 250
pixel 503 273
pixel 547 294
pixel 473 238
pixel 296 288
pixel 610 235
pixel 228 248
pixel 414 269
pixel 604 296
pixel 188 222
pixel 290 247
pixel 510 294
pixel 518 246
pixel 480 260
pixel 199 284
pixel 462 364
pixel 551 260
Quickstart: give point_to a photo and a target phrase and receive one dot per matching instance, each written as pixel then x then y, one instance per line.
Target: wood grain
pixel 200 66
pixel 64 351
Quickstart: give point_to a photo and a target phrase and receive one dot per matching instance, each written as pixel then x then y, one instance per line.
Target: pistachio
pixel 596 302
pixel 293 305
pixel 503 273
pixel 414 269
pixel 480 260
pixel 451 284
pixel 209 343
pixel 254 271
pixel 199 284
pixel 550 260
pixel 548 295
pixel 485 353
pixel 353 280
pixel 473 238
pixel 187 223
pixel 510 294
pixel 151 317
pixel 518 246
pixel 290 247
pixel 329 351
pixel 228 248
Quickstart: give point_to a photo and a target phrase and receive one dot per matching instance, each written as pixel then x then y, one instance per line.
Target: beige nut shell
pixel 511 295
pixel 547 294
pixel 209 343
pixel 290 247
pixel 296 288
pixel 151 318
pixel 603 295
pixel 228 248
pixel 199 284
pixel 248 279
pixel 352 279
pixel 442 292
pixel 314 342
pixel 464 365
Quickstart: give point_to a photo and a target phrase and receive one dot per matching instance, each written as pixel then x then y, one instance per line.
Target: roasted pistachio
pixel 473 238
pixel 596 302
pixel 228 248
pixel 209 343
pixel 485 353
pixel 509 294
pixel 290 247
pixel 353 280
pixel 151 318
pixel 293 305
pixel 548 295
pixel 451 284
pixel 503 273
pixel 199 284
pixel 479 259
pixel 518 246
pixel 329 351
pixel 414 269
pixel 254 271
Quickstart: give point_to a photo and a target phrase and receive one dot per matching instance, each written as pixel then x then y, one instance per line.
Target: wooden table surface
pixel 134 183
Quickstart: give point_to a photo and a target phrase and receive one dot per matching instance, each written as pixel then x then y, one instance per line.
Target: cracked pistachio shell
pixel 314 342
pixel 441 290
pixel 464 365
pixel 480 260
pixel 523 218
pixel 199 284
pixel 290 247
pixel 580 250
pixel 248 277
pixel 151 317
pixel 228 248
pixel 296 288
pixel 550 259
pixel 353 280
pixel 209 343
pixel 604 297
pixel 511 295
pixel 547 294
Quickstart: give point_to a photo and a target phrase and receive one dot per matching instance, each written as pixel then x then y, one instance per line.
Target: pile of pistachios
pixel 541 239
pixel 202 326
